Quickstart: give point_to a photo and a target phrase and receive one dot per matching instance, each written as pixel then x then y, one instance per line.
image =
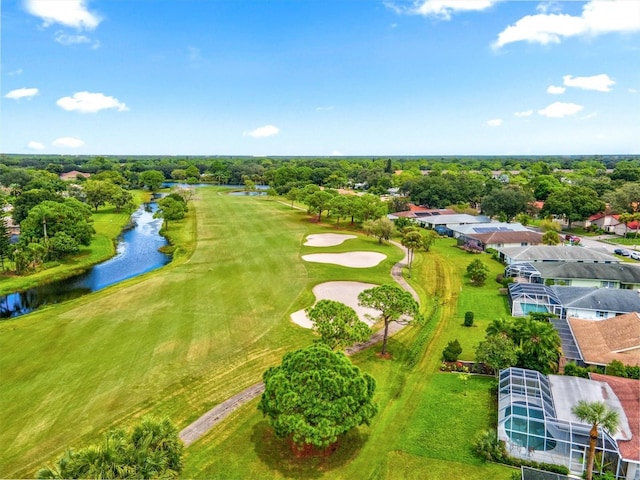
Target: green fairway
pixel 174 342
pixel 182 339
pixel 426 423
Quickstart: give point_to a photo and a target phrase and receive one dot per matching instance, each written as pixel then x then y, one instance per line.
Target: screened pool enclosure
pixel 536 426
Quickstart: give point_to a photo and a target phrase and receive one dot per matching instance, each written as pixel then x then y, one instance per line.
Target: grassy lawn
pixel 108 225
pixel 426 423
pixel 181 339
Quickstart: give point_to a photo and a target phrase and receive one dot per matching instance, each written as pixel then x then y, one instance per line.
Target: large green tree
pixel 394 305
pixel 508 201
pixel 625 199
pixel 152 450
pixel 598 415
pixel 574 203
pixel 315 396
pixel 48 218
pixel 152 179
pixel 498 352
pixel 170 209
pixel 337 324
pixel 540 345
pixel 381 228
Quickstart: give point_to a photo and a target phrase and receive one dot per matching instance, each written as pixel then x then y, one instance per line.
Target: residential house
pixel 558 253
pixel 499 239
pixel 536 421
pixel 616 338
pixel 584 274
pixel 610 223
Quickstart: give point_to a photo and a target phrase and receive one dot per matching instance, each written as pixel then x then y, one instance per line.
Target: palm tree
pixel 502 327
pixel 411 240
pixel 541 345
pixel 598 415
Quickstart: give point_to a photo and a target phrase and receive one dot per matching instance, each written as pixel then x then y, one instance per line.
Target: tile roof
pixel 602 341
pixel 628 392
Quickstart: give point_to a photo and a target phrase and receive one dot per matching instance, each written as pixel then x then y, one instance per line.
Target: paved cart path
pixel 217 414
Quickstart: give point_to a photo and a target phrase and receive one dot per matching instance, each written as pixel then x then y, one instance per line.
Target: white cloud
pixel 526 113
pixel 85 102
pixel 560 109
pixel 261 132
pixel 632 90
pixel 324 109
pixel 555 90
pixel 337 153
pixel 66 39
pixel 70 13
pixel 68 142
pixel 442 9
pixel 35 145
pixel 600 83
pixel 598 17
pixel 495 122
pixel 22 93
pixel 15 72
pixel 591 115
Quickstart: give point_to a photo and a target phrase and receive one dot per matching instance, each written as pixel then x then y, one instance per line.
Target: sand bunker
pixel 347 259
pixel 327 239
pixel 343 292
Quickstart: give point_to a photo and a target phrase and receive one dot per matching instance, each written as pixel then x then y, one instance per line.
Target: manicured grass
pixel 425 426
pixel 108 225
pixel 181 339
pixel 173 342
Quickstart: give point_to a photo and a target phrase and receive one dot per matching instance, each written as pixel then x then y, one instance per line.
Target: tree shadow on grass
pixel 276 453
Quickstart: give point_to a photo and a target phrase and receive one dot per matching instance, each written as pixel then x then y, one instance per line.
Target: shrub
pixel 618 369
pixel 468 319
pixel 452 351
pixel 489 448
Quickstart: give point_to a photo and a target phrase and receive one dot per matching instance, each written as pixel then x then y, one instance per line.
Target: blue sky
pixel 312 77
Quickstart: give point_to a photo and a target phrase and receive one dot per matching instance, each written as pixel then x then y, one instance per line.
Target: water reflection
pixel 137 253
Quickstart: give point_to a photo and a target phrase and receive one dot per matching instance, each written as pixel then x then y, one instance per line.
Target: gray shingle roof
pixel 593 298
pixel 622 272
pixel 557 254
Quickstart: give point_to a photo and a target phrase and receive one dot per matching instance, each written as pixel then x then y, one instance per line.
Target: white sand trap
pixel 347 259
pixel 343 292
pixel 327 239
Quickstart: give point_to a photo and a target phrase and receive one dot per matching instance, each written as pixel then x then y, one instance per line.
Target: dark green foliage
pixel 61 245
pixel 337 324
pixel 618 369
pixel 5 240
pixel 171 209
pixel 574 370
pixel 152 179
pixel 452 351
pixel 316 395
pixel 71 216
pixel 152 450
pixel 507 202
pixel 394 303
pixel 477 272
pixel 468 319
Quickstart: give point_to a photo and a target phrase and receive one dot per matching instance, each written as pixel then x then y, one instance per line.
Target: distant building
pixel 73 175
pixel 559 253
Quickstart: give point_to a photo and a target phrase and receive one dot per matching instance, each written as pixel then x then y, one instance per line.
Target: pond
pixel 137 253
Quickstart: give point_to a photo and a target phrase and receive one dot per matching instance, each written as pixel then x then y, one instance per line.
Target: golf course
pixel 177 341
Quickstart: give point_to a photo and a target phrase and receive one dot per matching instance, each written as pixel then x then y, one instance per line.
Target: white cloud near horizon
pixel 33 145
pixel 495 122
pixel 70 13
pixel 598 17
pixel 442 9
pixel 560 110
pixel 262 132
pixel 86 102
pixel 526 113
pixel 599 83
pixel 66 39
pixel 19 93
pixel 555 90
pixel 67 142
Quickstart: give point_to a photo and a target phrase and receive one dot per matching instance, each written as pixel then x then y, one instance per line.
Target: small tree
pixel 381 228
pixel 468 319
pixel 337 324
pixel 498 352
pixel 477 272
pixel 394 303
pixel 597 414
pixel 170 209
pixel 315 396
pixel 152 179
pixel 5 240
pixel 411 240
pixel 550 237
pixel 452 351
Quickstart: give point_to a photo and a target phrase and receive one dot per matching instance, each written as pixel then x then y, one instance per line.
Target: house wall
pixel 588 314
